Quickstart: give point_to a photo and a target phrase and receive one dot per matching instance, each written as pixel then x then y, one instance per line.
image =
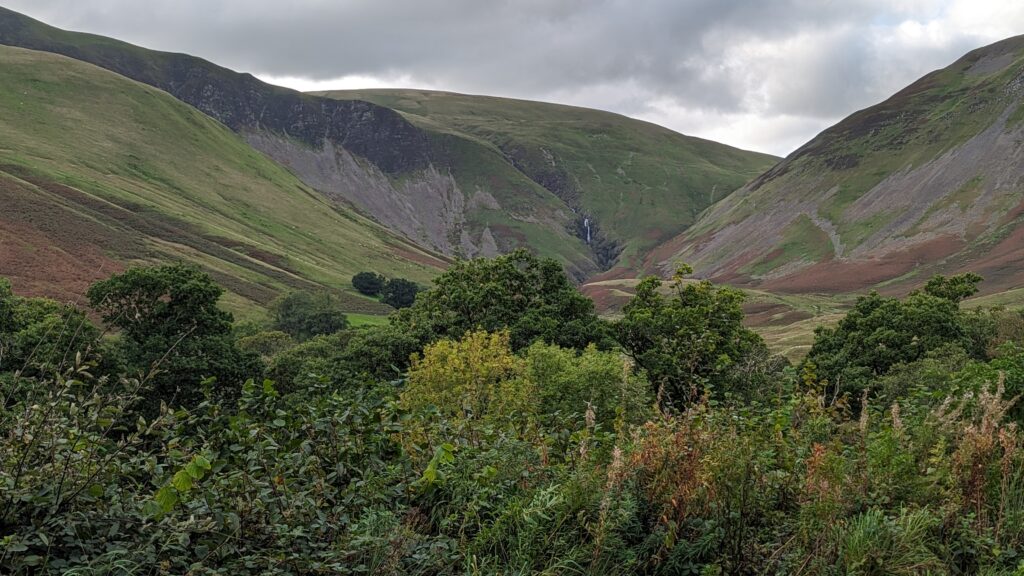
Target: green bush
pixel 368 283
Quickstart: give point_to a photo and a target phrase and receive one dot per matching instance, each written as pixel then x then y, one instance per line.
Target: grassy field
pixel 152 179
pixel 639 182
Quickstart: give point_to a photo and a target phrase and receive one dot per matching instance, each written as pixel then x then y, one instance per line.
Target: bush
pixel 368 283
pixel 303 315
pixel 399 293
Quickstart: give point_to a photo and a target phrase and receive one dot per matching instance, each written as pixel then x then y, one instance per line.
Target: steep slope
pixel 630 184
pixel 928 181
pixel 98 171
pixel 354 153
pixel 445 188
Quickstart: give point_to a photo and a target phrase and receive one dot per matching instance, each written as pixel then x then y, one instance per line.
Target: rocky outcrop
pixel 426 206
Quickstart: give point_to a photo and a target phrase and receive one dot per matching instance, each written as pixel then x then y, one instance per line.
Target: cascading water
pixel 586 224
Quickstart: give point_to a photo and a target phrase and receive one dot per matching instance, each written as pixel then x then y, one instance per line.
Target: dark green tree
pixel 954 288
pixel 879 333
pixel 173 331
pixel 689 341
pixel 399 293
pixel 368 283
pixel 303 315
pixel 530 297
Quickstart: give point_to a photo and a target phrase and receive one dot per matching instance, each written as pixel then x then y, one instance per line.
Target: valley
pixel 402 182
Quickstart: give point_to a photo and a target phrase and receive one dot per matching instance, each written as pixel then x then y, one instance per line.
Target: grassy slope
pixel 641 182
pixel 193 189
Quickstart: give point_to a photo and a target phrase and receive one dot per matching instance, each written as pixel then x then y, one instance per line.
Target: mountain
pixel 930 180
pixel 98 172
pixel 443 183
pixel 630 184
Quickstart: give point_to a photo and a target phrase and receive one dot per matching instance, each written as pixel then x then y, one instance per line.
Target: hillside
pixel 443 187
pixel 928 181
pixel 98 172
pixel 631 184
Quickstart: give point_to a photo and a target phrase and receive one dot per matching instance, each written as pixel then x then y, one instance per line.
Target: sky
pixel 763 75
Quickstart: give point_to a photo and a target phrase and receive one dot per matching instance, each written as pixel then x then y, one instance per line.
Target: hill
pixel 445 187
pixel 98 171
pixel 631 184
pixel 928 181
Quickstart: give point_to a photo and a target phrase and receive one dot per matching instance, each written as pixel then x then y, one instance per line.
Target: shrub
pixel 368 283
pixel 399 293
pixel 303 315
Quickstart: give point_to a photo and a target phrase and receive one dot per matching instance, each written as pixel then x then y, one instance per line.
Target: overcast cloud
pixel 759 74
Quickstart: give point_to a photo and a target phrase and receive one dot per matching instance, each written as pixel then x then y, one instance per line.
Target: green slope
pixel 461 176
pixel 100 169
pixel 927 181
pixel 636 183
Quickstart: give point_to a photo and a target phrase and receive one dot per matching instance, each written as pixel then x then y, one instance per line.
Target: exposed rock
pixel 426 206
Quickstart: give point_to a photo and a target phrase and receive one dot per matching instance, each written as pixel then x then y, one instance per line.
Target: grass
pixel 642 183
pixel 126 147
pixel 358 320
pixel 802 241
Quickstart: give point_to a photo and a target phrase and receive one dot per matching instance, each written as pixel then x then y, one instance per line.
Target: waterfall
pixel 586 224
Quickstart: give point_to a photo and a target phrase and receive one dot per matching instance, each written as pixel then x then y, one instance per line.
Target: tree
pixel 530 297
pixel 173 330
pixel 303 315
pixel 955 288
pixel 879 333
pixel 399 293
pixel 368 283
pixel 687 342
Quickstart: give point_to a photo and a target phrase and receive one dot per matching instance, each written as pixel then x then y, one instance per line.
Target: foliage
pixel 40 336
pixel 687 342
pixel 879 333
pixel 955 288
pixel 570 385
pixel 266 344
pixel 368 283
pixel 173 332
pixel 303 315
pixel 374 353
pixel 478 457
pixel 474 379
pixel 399 293
pixel 528 296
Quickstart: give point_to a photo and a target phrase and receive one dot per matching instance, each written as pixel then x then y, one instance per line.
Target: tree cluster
pixel 498 425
